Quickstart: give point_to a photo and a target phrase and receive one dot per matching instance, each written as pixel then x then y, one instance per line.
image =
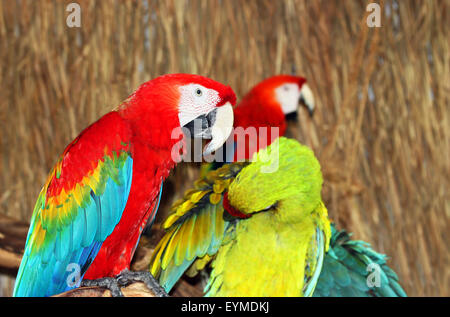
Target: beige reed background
pixel 380 131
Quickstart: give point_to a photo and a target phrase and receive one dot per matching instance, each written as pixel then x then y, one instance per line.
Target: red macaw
pixel 261 117
pixel 265 108
pixel 106 185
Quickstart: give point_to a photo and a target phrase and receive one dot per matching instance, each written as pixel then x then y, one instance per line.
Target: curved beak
pixel 215 125
pixel 307 99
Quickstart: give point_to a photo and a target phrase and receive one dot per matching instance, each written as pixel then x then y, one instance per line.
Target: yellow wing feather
pixel 195 225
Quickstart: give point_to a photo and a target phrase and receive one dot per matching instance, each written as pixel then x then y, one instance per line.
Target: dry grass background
pixel 381 128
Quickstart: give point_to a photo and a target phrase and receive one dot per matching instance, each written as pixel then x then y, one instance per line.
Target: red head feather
pixel 231 210
pixel 260 108
pixel 153 108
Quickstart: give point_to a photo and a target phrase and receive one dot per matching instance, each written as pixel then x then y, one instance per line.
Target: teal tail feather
pixel 353 269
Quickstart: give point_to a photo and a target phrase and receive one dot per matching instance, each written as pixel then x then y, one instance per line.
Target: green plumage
pixel 350 269
pixel 274 237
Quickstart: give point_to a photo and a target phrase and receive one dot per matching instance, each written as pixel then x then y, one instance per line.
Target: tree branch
pixel 136 289
pixel 13 234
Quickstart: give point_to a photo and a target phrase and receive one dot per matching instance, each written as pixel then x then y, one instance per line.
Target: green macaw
pixel 263 229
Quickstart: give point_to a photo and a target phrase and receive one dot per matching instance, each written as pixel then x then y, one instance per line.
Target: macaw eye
pixel 286 88
pixel 198 92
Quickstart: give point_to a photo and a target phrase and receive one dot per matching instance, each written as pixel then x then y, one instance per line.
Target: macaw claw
pixel 110 283
pixel 114 284
pixel 127 277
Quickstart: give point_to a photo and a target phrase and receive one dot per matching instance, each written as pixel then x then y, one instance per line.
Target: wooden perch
pixel 136 289
pixel 13 234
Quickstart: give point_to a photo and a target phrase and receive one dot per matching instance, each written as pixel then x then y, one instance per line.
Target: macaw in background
pixel 268 105
pixel 107 184
pixel 353 269
pixel 266 233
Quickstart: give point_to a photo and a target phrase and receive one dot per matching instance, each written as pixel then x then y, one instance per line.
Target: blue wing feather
pixel 345 270
pixel 46 272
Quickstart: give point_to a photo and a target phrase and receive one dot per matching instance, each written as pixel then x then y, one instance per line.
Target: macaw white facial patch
pixel 288 96
pixel 195 100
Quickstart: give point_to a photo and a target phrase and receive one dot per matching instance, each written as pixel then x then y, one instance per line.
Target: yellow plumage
pixel 273 260
pixel 277 251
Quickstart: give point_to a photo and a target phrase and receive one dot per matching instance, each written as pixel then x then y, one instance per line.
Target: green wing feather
pixel 347 267
pixel 196 228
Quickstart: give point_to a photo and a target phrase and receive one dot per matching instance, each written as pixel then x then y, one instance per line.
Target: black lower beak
pixel 303 103
pixel 201 126
pixel 292 116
